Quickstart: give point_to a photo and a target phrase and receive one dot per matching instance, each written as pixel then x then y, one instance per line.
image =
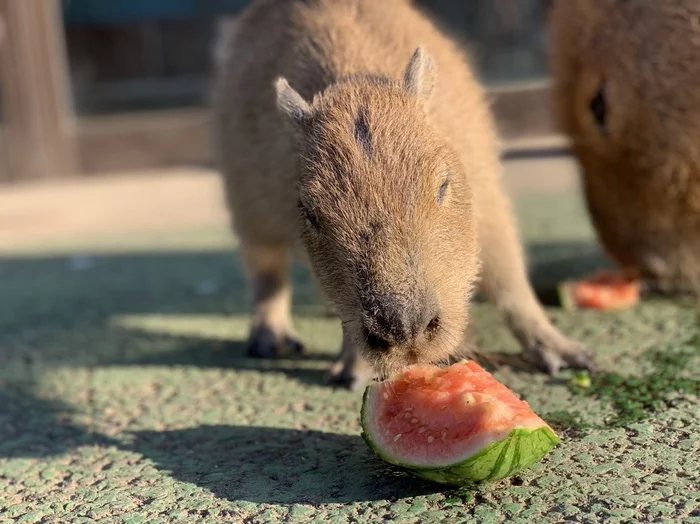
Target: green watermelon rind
pixel 566 299
pixel 517 451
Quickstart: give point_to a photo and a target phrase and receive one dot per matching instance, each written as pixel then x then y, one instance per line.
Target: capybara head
pixel 626 90
pixel 385 214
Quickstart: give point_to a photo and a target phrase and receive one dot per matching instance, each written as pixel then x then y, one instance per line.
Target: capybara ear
pixel 291 103
pixel 419 78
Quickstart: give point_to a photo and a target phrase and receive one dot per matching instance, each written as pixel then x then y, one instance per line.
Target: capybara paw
pixel 353 374
pixel 265 343
pixel 555 353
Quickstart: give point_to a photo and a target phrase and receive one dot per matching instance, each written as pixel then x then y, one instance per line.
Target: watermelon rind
pixel 517 451
pixel 566 299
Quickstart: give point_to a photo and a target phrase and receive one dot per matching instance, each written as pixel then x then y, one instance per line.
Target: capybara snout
pixel 392 320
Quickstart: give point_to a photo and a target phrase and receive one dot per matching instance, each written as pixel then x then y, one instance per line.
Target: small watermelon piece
pixel 605 291
pixel 456 426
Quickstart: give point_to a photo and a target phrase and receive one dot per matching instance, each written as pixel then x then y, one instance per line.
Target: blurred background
pixel 97 86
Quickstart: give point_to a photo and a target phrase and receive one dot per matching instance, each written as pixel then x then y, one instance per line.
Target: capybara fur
pixel 355 131
pixel 626 90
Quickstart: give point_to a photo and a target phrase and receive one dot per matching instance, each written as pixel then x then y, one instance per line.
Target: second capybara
pixel 626 90
pixel 354 133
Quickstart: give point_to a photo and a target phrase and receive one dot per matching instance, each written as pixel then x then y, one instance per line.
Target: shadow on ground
pixel 50 290
pixel 60 313
pixel 276 465
pixel 238 463
pixel 550 263
pixel 66 291
pixel 203 353
pixel 31 427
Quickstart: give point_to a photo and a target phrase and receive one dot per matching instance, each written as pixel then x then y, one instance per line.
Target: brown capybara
pixel 626 90
pixel 355 131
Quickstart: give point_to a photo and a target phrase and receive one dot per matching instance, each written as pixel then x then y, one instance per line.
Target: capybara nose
pixel 391 321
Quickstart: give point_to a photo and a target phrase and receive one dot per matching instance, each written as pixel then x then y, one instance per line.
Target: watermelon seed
pixel 422 430
pixel 407 415
pixel 468 398
pixel 430 439
pixel 414 421
pixel 397 437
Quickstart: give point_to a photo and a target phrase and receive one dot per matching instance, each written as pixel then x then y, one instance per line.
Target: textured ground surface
pixel 124 395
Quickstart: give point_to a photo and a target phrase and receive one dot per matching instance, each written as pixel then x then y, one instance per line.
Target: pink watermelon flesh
pixel 460 423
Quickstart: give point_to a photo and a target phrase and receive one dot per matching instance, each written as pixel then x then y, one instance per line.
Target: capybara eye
pixel 443 191
pixel 309 216
pixel 598 108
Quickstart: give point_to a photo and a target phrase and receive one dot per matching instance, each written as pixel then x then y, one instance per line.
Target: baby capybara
pixel 356 132
pixel 626 90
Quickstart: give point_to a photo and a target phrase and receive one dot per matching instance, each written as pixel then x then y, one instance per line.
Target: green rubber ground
pixel 125 397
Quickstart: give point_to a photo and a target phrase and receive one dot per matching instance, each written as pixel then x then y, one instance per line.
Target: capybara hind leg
pixel 505 281
pixel 350 369
pixel 271 334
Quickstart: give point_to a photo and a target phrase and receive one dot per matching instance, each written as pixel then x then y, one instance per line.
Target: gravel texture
pixel 125 397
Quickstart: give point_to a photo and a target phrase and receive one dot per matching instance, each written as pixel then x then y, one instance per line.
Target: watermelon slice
pixel 605 290
pixel 455 426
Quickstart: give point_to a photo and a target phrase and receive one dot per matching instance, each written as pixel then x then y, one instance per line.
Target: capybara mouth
pixel 398 359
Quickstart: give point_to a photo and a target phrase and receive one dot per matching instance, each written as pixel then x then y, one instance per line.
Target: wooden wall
pixel 38 132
